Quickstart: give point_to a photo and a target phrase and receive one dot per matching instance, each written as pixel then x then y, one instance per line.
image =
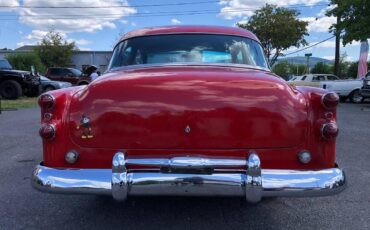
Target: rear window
pixel 188 48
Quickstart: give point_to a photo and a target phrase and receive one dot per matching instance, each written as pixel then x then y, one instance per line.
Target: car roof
pixel 162 30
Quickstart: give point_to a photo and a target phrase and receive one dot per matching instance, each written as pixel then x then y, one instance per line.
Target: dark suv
pixel 73 76
pixel 15 83
pixel 365 91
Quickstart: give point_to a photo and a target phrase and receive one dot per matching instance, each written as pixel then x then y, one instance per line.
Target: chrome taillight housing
pixel 46 101
pixel 47 131
pixel 330 131
pixel 330 100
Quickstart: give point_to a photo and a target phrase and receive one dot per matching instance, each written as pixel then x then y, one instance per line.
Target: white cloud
pixel 79 42
pixel 12 3
pixel 175 21
pixel 240 8
pixel 37 35
pixel 73 19
pixel 319 24
pixel 19 44
pixel 85 49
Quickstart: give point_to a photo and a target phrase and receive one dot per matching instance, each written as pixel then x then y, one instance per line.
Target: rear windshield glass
pixel 188 48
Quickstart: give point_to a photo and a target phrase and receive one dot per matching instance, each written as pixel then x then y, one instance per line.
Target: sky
pixel 98 24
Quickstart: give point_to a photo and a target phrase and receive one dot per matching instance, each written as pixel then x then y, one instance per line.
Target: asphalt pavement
pixel 21 207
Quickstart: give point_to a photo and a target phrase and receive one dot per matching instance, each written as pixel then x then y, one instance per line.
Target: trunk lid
pixel 188 108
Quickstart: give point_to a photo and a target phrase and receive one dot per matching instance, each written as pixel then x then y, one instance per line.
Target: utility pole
pixel 308 55
pixel 337 49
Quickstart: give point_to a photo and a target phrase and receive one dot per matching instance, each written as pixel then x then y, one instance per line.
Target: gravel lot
pixel 23 207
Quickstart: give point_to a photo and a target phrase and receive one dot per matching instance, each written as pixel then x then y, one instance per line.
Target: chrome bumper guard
pixel 179 179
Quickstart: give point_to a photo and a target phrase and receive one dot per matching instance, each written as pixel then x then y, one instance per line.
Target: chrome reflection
pixel 252 183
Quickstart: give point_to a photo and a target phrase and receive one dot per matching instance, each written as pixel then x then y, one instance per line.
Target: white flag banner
pixel 362 62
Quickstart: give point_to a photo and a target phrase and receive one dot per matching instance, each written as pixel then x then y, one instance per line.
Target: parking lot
pixel 22 207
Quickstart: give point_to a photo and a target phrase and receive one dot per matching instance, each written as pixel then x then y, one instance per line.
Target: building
pixel 79 60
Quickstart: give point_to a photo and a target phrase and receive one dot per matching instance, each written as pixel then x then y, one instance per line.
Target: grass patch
pixel 21 103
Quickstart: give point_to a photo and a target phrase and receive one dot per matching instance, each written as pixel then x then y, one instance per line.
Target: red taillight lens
pixel 330 131
pixel 330 100
pixel 47 131
pixel 46 101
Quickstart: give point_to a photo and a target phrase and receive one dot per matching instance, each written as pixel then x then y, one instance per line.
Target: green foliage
pixel 353 67
pixel 285 69
pixel 321 67
pixel 354 19
pixel 24 61
pixel 278 28
pixel 282 69
pixel 54 50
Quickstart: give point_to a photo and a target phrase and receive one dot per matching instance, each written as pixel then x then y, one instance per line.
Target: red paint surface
pixel 231 111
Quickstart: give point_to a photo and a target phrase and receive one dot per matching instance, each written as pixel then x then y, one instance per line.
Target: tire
pixel 343 99
pixel 83 83
pixel 10 90
pixel 49 88
pixel 355 97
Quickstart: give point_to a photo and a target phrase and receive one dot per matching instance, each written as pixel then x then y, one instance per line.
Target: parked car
pixel 189 110
pixel 365 91
pixel 346 89
pixel 71 75
pixel 15 83
pixel 49 85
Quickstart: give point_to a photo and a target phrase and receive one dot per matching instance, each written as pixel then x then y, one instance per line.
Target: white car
pixel 346 89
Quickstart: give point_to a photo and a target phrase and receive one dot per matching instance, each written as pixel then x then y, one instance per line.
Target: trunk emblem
pixel 187 129
pixel 86 127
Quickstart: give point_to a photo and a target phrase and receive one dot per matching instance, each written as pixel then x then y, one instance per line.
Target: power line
pixel 140 15
pixel 307 47
pixel 127 6
pixel 110 6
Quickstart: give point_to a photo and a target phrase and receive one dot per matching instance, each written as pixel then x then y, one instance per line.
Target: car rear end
pixel 192 114
pixel 280 144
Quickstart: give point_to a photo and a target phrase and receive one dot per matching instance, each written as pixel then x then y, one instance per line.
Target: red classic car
pixel 194 111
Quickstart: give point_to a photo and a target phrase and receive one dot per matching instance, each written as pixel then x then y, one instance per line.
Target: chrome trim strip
pixel 74 181
pixel 187 162
pixel 293 183
pixel 252 183
pixel 190 64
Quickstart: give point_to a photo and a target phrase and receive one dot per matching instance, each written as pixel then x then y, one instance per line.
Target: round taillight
pixel 330 131
pixel 47 131
pixel 330 100
pixel 46 101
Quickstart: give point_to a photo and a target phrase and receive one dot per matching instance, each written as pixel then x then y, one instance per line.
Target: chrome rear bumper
pixel 253 183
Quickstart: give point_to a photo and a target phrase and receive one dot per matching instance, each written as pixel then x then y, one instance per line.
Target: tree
pixel 321 67
pixel 54 50
pixel 353 68
pixel 24 61
pixel 285 69
pixel 354 18
pixel 278 28
pixel 282 69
